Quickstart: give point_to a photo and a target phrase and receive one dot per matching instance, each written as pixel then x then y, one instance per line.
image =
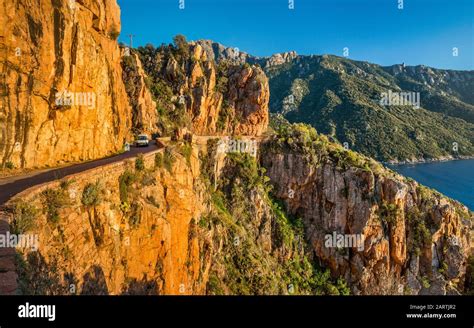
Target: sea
pixel 455 179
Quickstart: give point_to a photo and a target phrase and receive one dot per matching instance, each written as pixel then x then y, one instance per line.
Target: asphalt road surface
pixel 8 190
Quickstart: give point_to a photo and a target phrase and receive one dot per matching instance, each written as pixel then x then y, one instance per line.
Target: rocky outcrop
pixel 161 229
pixel 62 93
pixel 278 59
pixel 233 54
pixel 224 99
pixel 248 97
pixel 453 82
pixel 220 52
pixel 241 109
pixel 414 241
pixel 144 114
pixel 118 231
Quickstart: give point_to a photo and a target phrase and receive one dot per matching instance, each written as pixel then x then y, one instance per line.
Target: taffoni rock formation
pixel 415 241
pixel 224 99
pixel 144 114
pixel 247 97
pixel 111 241
pixel 63 98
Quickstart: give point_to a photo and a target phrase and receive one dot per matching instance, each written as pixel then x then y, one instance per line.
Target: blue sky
pixel 424 32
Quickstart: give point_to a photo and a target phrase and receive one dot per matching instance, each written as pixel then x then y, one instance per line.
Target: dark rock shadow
pixel 37 277
pixel 94 282
pixel 141 287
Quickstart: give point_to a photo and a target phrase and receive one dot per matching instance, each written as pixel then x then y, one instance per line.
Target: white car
pixel 142 141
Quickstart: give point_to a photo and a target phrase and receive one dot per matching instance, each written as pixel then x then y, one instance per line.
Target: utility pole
pixel 131 36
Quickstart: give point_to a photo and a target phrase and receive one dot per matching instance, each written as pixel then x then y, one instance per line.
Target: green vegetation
pixel 147 178
pixel 225 115
pixel 9 165
pixel 38 277
pixel 24 217
pixel 181 45
pixel 302 273
pixel 168 160
pixel 91 196
pixel 65 184
pixel 245 264
pixel 129 184
pixel 214 285
pixel 114 32
pixel 288 226
pixel 129 64
pixel 443 268
pixel 425 282
pixel 166 90
pixel 204 222
pixel 158 160
pixel 388 212
pixel 316 148
pixel 222 80
pixel 53 200
pixel 419 233
pixel 341 98
pixel 206 160
pixel 134 215
pixel 125 184
pixel 426 195
pixel 186 150
pixel 139 163
pixel 246 168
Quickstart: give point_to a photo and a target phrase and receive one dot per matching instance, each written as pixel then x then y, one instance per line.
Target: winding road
pixel 13 185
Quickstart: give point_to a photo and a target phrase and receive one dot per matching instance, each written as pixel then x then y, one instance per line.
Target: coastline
pixel 428 160
pixel 452 178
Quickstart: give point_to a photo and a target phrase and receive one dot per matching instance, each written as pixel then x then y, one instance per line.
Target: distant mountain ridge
pixel 220 52
pixel 341 98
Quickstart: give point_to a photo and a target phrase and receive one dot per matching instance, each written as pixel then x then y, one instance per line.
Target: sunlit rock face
pixel 144 108
pixel 219 98
pixel 414 241
pixel 63 98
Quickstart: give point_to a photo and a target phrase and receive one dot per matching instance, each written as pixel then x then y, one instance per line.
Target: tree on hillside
pixel 181 45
